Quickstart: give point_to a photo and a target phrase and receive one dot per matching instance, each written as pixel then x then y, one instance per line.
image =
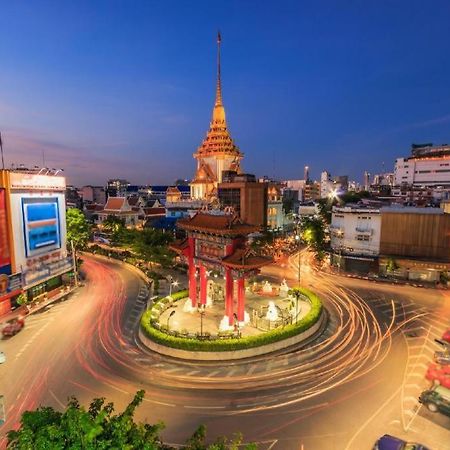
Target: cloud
pixel 81 163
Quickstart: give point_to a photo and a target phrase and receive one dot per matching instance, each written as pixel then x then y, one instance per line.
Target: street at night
pixel 360 379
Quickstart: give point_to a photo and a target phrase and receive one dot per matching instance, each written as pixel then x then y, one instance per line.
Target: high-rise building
pixel 218 152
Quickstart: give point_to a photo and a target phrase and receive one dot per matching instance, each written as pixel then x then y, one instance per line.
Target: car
pixel 442 358
pixel 13 326
pixel 446 336
pixel 437 399
pixel 2 358
pixel 388 442
pixel 439 374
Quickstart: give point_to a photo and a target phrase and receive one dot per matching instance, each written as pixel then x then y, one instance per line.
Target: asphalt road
pixel 357 381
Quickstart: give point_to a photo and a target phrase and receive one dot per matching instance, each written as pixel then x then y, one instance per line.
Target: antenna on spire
pixel 219 86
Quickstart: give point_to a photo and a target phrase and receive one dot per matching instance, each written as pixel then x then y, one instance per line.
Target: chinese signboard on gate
pixel 5 257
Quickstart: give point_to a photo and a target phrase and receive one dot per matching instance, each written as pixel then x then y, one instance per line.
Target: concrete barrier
pixel 235 354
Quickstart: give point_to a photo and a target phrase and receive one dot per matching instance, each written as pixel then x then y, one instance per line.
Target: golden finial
pixel 219 86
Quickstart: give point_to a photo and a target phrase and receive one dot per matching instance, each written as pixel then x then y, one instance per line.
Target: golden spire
pixel 219 110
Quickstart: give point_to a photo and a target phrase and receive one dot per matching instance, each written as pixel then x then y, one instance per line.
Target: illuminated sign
pixel 5 257
pixel 41 225
pixel 11 283
pixel 36 182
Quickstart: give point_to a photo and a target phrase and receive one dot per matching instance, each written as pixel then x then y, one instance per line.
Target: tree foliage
pixel 77 228
pixel 100 428
pixel 313 232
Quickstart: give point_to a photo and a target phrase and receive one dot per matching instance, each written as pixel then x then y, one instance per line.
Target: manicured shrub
pixel 231 342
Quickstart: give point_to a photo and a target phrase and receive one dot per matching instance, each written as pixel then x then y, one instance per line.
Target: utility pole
pixel 74 262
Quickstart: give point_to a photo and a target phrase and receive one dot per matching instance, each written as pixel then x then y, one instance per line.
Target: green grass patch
pixel 230 344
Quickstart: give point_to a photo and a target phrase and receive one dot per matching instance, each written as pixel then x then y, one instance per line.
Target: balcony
pixel 364 231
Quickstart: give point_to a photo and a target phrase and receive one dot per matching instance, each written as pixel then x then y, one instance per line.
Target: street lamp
pixel 297 238
pixel 297 295
pixel 201 310
pixel 237 324
pixel 170 315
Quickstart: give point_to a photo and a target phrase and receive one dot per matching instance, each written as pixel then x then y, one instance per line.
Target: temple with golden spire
pixel 217 152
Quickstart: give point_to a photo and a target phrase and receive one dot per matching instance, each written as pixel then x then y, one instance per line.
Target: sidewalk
pixel 26 310
pixel 385 280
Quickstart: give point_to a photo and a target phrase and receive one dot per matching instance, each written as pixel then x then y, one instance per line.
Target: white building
pixel 427 166
pixel 326 184
pixel 355 230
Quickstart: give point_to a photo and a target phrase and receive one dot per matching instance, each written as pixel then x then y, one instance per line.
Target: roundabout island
pixel 228 312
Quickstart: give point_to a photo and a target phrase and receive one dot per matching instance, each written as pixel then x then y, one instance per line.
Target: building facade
pixel 428 165
pixel 246 197
pixel 33 248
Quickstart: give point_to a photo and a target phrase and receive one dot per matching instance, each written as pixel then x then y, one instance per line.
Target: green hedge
pixel 222 345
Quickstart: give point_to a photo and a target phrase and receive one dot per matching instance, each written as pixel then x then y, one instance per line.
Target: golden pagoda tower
pixel 217 152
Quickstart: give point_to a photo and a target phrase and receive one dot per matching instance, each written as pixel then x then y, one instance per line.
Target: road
pixel 358 380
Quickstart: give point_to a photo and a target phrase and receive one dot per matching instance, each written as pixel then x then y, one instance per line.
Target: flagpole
pixel 1 148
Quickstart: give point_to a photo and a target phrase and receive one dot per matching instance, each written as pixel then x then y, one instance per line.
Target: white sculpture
pixel 284 288
pixel 272 312
pixel 225 325
pixel 267 287
pixel 188 306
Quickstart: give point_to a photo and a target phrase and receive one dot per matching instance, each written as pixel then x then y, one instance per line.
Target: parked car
pixel 446 336
pixel 437 399
pixel 439 374
pixel 13 326
pixel 2 358
pixel 442 358
pixel 388 442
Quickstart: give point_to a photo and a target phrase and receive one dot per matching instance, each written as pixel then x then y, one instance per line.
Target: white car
pixel 2 358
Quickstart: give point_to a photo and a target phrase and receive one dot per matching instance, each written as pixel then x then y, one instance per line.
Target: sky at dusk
pixel 125 89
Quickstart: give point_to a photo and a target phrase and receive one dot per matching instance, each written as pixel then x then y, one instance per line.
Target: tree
pixel 77 228
pixel 392 265
pixel 113 224
pixel 313 232
pixel 99 428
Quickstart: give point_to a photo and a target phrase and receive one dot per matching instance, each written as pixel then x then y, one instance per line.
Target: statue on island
pixel 284 288
pixel 267 287
pixel 272 312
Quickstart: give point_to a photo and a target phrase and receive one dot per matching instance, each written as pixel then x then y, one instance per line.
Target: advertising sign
pixel 25 181
pixel 5 257
pixel 41 225
pixel 10 284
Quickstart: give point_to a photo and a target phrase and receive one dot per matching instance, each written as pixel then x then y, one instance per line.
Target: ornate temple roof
pixel 218 139
pixel 244 258
pixel 217 224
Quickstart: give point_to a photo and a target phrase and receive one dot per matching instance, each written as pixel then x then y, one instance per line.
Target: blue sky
pixel 125 89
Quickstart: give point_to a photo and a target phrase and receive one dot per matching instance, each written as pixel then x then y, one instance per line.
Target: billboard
pixel 41 225
pixel 39 234
pixel 5 256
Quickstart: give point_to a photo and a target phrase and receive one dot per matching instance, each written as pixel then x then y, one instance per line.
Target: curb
pixel 234 354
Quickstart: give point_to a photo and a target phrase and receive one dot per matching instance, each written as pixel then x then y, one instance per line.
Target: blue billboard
pixel 41 225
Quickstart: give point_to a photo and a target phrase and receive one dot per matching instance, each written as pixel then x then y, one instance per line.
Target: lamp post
pixel 237 324
pixel 297 238
pixel 297 294
pixel 201 310
pixel 170 315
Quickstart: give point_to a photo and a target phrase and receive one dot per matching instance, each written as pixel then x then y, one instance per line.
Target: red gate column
pixel 241 299
pixel 229 296
pixel 192 285
pixel 203 283
pixel 192 272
